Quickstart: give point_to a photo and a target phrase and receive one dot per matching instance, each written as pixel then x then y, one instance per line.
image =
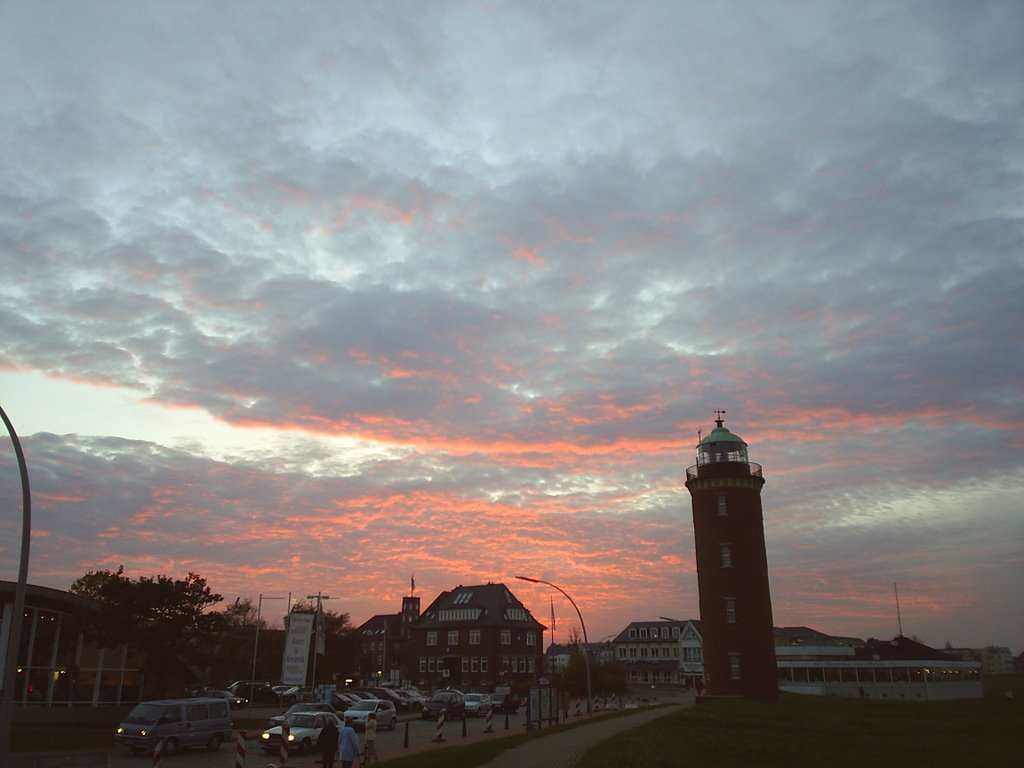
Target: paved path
pixel 564 749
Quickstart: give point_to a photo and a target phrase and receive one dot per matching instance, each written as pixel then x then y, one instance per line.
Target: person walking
pixel 348 744
pixel 327 742
pixel 370 740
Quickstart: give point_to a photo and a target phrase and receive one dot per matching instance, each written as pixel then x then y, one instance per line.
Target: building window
pixel 622 651
pixel 506 637
pixel 531 664
pixel 522 664
pixel 531 638
pixel 515 665
pixel 474 637
pixel 430 664
pixel 423 665
pixel 632 633
pixel 721 506
pixel 730 610
pixel 465 664
pixel 431 638
pixel 675 633
pixel 643 652
pixel 453 637
pixel 734 666
pixel 483 663
pixel 726 555
pixel 632 652
pixel 643 633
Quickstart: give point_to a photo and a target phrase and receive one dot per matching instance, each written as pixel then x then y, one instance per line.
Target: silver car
pixel 360 712
pixel 477 704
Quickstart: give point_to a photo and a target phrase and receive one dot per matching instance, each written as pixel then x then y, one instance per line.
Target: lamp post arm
pixel 14 639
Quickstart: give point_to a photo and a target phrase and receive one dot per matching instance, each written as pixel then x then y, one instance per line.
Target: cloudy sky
pixel 326 295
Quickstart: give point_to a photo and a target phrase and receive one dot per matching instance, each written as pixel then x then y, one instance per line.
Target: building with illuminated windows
pixel 477 638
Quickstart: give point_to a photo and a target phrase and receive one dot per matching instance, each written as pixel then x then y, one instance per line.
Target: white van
pixel 179 723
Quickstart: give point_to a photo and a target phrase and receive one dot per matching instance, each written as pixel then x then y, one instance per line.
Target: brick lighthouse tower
pixel 732 568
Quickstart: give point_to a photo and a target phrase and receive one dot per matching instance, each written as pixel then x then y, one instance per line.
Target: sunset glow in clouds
pixel 317 297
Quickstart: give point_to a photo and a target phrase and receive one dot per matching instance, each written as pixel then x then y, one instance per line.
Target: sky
pixel 329 296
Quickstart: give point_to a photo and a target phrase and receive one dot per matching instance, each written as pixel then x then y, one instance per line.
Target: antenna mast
pixel 899 619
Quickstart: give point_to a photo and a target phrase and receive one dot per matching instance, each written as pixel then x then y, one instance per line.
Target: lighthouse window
pixel 726 555
pixel 721 506
pixel 734 666
pixel 730 610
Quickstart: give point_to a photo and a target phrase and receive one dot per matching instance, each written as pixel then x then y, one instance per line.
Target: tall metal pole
pixel 256 646
pixel 316 627
pixel 586 642
pixel 14 638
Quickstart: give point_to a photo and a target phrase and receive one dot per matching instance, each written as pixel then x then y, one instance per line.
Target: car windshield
pixel 473 697
pixel 300 721
pixel 144 714
pixel 366 705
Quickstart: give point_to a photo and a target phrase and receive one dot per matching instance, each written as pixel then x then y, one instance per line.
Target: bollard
pixel 285 733
pixel 405 741
pixel 240 750
pixel 464 718
pixel 506 720
pixel 440 728
pixel 158 752
pixel 579 709
pixel 490 721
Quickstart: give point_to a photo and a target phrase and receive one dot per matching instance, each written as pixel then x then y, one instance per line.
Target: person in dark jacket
pixel 327 743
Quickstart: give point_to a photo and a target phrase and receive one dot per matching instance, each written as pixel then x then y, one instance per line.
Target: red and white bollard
pixel 158 752
pixel 240 750
pixel 579 708
pixel 285 733
pixel 440 728
pixel 490 720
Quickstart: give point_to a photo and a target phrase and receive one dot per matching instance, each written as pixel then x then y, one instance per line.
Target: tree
pixel 165 618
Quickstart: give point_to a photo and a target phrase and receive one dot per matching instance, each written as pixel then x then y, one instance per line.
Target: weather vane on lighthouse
pixel 719 412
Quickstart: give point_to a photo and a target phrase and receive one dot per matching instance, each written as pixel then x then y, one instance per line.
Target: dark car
pixel 505 703
pixel 450 702
pixel 257 693
pixel 233 699
pixel 401 703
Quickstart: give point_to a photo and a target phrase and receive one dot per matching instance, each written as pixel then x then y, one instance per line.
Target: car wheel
pixel 393 723
pixel 214 743
pixel 170 747
pixel 305 746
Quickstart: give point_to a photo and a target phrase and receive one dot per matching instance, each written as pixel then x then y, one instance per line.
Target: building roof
pixel 808 636
pixel 482 604
pixel 381 623
pixel 623 636
pixel 901 648
pixel 721 435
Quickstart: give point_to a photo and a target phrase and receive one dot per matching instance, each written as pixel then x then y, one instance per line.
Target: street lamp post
pixel 256 646
pixel 586 642
pixel 14 636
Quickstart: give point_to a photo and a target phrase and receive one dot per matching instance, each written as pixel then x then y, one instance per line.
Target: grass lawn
pixel 809 731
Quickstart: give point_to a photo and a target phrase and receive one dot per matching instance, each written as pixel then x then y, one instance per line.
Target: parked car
pixel 306 707
pixel 303 731
pixel 416 700
pixel 505 703
pixel 389 694
pixel 257 693
pixel 450 701
pixel 177 723
pixel 477 704
pixel 235 701
pixel 359 713
pixel 342 700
